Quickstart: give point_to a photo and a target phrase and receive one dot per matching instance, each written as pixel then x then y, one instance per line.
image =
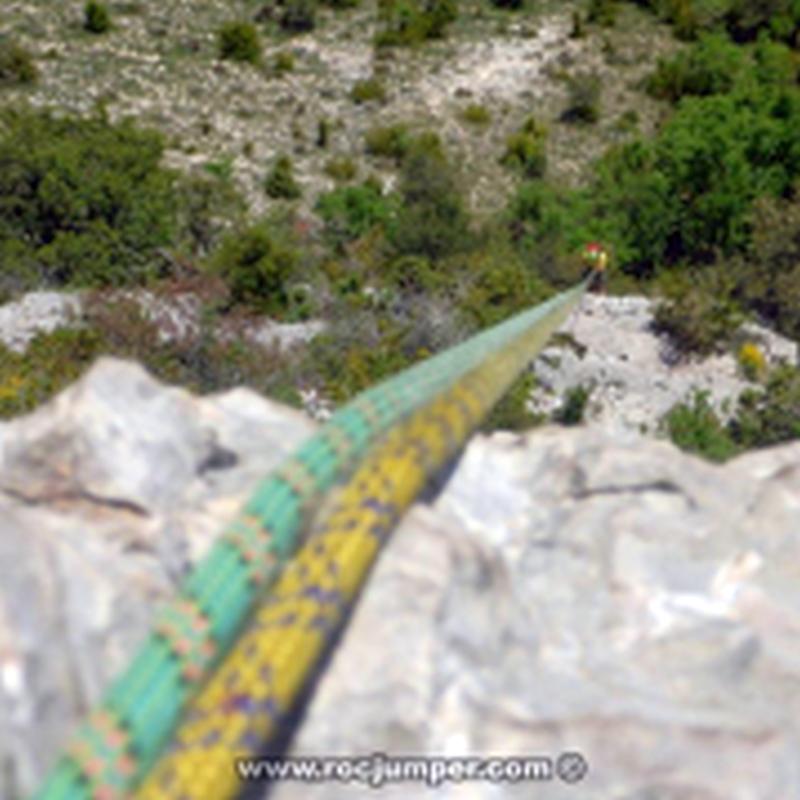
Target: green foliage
pixel 256 264
pixel 526 149
pixel 239 41
pixel 512 412
pixel 432 219
pixel 476 114
pixel 574 406
pixel 82 202
pixel 341 168
pixel 50 363
pixel 772 415
pixel 368 90
pixel 411 22
pixel 299 16
pixel 323 132
pixel 207 206
pixel 284 62
pixel 696 428
pixel 280 182
pixel 583 104
pixel 16 64
pixel 351 211
pixel 767 277
pixel 602 12
pixel 712 66
pixel 392 141
pixel 699 316
pixel 96 17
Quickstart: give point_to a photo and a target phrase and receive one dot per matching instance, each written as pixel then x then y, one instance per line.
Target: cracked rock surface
pixel 579 590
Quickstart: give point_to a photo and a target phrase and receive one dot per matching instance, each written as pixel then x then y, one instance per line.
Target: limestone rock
pixel 634 376
pixel 578 590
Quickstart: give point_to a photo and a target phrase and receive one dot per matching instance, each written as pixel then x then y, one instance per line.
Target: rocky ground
pixel 159 65
pixel 608 346
pixel 566 590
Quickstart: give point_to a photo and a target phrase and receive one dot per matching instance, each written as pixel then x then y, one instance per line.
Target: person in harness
pixel 595 260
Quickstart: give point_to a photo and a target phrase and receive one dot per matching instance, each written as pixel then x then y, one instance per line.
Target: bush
pixel 602 12
pixel 256 264
pixel 16 65
pixel 96 18
pixel 525 150
pixel 367 91
pixel 82 202
pixel 695 428
pixel 51 362
pixel 280 182
pixel 411 22
pixel 574 406
pixel 512 413
pixel 772 415
pixel 351 211
pixel 432 219
pixel 700 316
pixel 476 114
pixel 239 41
pixel 391 141
pixel 712 66
pixel 341 168
pixel 767 277
pixel 584 99
pixel 284 62
pixel 299 16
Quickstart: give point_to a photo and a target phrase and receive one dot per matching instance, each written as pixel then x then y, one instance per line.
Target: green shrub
pixel 584 99
pixel 695 428
pixel 341 168
pixel 284 62
pixel 368 90
pixel 512 413
pixel 771 415
pixel 392 141
pixel 82 202
pixel 699 316
pixel 712 66
pixel 299 16
pixel 526 149
pixel 602 12
pixel 239 41
pixel 280 182
pixel 16 64
pixel 51 362
pixel 411 22
pixel 256 264
pixel 573 407
pixel 432 219
pixel 476 114
pixel 96 17
pixel 351 211
pixel 767 277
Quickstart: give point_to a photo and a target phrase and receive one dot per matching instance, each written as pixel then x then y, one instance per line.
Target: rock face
pixel 566 590
pixel 635 377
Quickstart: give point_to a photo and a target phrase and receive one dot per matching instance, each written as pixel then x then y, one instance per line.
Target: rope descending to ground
pixel 426 414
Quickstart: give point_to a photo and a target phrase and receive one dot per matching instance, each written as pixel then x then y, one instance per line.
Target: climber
pixel 595 259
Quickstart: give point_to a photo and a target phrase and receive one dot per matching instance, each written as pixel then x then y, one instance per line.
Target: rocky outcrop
pixel 579 590
pixel 635 377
